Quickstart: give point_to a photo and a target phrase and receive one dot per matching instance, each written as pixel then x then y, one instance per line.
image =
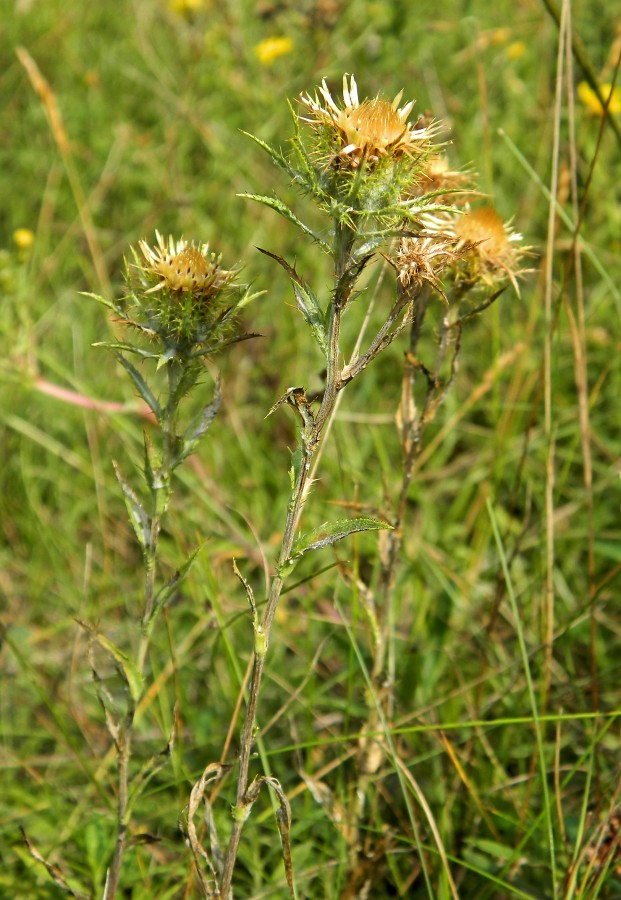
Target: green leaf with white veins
pixel 332 532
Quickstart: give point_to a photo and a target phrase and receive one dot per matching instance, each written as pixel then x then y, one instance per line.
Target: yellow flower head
pixel 273 47
pixel 184 268
pixel 186 8
pixel 436 177
pixel 486 248
pixel 23 238
pixel 490 244
pixel 367 130
pixel 592 102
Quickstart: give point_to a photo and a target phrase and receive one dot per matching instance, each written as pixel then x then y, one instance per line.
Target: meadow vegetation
pixel 463 744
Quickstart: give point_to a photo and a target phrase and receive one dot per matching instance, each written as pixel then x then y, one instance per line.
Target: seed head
pixel 423 257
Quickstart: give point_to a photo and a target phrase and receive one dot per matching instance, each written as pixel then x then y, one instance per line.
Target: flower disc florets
pixel 184 268
pixel 367 131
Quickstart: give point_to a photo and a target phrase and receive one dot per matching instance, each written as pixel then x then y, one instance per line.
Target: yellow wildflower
pixel 592 103
pixel 273 47
pixel 516 50
pixel 186 8
pixel 23 238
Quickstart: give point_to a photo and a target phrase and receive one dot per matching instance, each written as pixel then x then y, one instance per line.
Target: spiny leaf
pixel 129 670
pixel 128 348
pixel 143 388
pixel 283 210
pixel 276 155
pixel 166 592
pixel 141 523
pixel 332 532
pixel 105 302
pixel 307 302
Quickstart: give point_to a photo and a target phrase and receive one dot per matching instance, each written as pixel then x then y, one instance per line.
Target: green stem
pixel 160 495
pixel 344 239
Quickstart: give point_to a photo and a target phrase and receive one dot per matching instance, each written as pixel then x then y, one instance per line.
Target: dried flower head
pixel 365 131
pixel 422 258
pixel 184 268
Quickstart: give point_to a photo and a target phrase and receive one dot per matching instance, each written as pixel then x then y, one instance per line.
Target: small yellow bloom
pixel 592 103
pixel 186 8
pixel 273 47
pixel 23 238
pixel 516 50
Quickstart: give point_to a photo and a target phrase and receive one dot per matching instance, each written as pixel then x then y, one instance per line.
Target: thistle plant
pixel 181 306
pixel 377 177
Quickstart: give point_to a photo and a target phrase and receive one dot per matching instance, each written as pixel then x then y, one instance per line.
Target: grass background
pixel 153 103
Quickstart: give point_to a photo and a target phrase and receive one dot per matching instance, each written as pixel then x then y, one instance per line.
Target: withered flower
pixel 422 258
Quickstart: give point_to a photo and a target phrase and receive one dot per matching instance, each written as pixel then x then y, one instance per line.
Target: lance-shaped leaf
pixel 111 304
pixel 53 870
pixel 276 155
pixel 106 699
pixel 130 348
pixel 151 767
pixel 332 532
pixel 306 300
pixel 143 388
pixel 165 593
pixel 198 426
pixel 141 523
pixel 283 820
pixel 283 210
pixel 127 667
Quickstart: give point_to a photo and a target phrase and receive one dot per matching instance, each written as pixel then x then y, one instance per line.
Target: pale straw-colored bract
pixel 489 247
pixel 369 130
pixel 184 267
